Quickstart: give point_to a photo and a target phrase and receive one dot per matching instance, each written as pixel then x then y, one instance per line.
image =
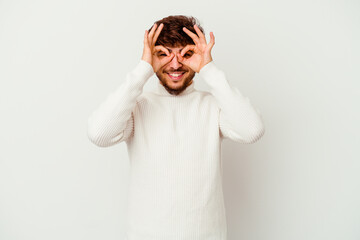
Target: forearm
pixel 238 119
pixel 106 125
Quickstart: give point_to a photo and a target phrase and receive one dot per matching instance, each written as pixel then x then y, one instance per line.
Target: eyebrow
pixel 171 51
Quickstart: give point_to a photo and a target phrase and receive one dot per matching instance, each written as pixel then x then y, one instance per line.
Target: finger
pixel 169 58
pixel 194 37
pixel 200 34
pixel 157 33
pixel 153 28
pixel 152 33
pixel 212 39
pixel 187 48
pixel 146 37
pixel 161 48
pixel 180 58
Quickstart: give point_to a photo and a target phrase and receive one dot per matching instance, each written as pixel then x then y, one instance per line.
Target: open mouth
pixel 176 75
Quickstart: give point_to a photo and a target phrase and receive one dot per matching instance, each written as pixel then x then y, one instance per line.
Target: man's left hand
pixel 199 54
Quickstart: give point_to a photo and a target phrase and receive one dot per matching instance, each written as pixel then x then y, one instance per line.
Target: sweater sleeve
pixel 238 119
pixel 113 121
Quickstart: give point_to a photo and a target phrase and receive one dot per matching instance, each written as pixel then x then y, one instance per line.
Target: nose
pixel 174 63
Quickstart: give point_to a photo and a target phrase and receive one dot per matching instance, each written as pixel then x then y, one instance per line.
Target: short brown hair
pixel 172 34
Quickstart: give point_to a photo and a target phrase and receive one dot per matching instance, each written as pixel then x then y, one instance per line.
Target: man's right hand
pixel 150 51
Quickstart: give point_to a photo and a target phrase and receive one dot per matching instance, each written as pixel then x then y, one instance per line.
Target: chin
pixel 178 86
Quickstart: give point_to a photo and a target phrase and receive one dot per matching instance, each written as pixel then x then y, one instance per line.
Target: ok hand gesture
pixel 150 50
pixel 201 51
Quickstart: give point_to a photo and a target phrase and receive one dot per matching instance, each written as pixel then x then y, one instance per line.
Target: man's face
pixel 174 75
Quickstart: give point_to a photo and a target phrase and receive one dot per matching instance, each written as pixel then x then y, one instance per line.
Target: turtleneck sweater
pixel 174 147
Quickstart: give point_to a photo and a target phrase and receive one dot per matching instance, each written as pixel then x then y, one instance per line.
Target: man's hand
pixel 200 53
pixel 150 51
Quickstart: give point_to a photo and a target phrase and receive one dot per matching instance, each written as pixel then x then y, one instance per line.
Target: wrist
pixel 203 65
pixel 146 60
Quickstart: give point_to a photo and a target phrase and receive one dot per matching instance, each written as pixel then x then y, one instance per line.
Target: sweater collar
pixel 160 89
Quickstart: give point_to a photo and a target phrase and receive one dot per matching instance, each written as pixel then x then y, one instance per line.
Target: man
pixel 174 134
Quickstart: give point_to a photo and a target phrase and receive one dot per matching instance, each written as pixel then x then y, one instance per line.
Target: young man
pixel 174 134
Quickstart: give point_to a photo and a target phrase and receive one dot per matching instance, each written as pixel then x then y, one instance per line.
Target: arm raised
pixel 238 119
pixel 112 122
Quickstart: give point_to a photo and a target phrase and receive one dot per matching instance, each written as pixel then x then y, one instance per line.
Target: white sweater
pixel 174 147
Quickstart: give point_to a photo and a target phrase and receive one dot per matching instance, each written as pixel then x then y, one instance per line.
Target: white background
pixel 297 61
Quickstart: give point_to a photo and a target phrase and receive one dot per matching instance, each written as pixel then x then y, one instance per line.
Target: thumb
pixel 181 58
pixel 178 55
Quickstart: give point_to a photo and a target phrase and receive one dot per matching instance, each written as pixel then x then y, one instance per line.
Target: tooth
pixel 175 75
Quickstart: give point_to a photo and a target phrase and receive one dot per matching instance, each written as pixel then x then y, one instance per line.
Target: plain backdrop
pixel 297 61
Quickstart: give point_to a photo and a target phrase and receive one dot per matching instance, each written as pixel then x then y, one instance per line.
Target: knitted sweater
pixel 174 147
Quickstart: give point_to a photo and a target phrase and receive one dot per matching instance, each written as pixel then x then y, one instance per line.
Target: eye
pixel 188 54
pixel 163 54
